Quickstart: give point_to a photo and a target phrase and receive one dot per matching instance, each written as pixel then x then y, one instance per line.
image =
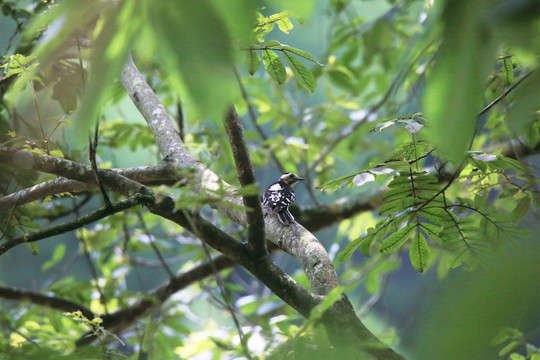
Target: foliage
pixel 418 207
pixel 414 106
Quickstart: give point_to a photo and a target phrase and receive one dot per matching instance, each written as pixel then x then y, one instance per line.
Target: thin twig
pixel 92 153
pixel 227 300
pixel 504 94
pixel 154 247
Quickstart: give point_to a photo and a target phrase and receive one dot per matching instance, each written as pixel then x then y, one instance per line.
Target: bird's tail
pixel 285 217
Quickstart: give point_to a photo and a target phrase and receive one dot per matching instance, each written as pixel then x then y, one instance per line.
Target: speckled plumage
pixel 279 195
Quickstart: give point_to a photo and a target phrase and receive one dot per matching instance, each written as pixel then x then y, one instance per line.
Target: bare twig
pixel 93 145
pixel 154 247
pixel 504 94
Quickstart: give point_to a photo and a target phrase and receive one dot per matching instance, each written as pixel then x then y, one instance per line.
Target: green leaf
pixel 436 215
pixel 300 53
pixel 274 67
pixel 432 231
pixel 55 318
pixel 526 103
pixel 507 71
pixel 284 24
pixel 419 252
pixel 509 348
pixel 303 75
pixel 58 254
pixel 396 206
pixel 521 208
pixel 365 244
pixel 333 296
pixel 397 193
pixel 459 257
pixel 273 44
pixel 336 184
pixel 347 252
pixel 399 181
pixel 506 333
pixel 253 61
pixel 394 241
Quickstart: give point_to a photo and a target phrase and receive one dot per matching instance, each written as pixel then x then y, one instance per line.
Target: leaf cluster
pixel 422 209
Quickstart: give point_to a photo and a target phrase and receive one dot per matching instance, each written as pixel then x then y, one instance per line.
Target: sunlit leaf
pixel 303 75
pixel 274 67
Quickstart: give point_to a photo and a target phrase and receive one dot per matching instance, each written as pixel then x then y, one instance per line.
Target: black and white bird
pixel 279 195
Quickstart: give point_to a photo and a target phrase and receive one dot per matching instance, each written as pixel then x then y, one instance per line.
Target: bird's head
pixel 291 178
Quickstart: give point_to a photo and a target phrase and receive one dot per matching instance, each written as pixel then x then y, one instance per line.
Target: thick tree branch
pixel 163 173
pixel 246 176
pixel 121 205
pixel 80 172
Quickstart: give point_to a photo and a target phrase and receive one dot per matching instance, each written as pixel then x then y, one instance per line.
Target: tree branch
pixel 246 176
pixel 80 172
pixel 121 205
pixel 44 300
pixel 163 173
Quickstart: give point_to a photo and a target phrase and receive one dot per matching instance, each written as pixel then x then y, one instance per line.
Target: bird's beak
pixel 300 178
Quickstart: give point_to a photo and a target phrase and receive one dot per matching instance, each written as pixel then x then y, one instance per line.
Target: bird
pixel 279 195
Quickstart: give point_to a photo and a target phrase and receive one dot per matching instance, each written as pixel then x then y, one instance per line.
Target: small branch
pixel 246 176
pixel 504 94
pixel 180 120
pixel 44 300
pixel 75 224
pixel 93 145
pixel 90 263
pixel 154 247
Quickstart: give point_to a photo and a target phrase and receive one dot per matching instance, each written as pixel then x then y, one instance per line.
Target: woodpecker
pixel 279 195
